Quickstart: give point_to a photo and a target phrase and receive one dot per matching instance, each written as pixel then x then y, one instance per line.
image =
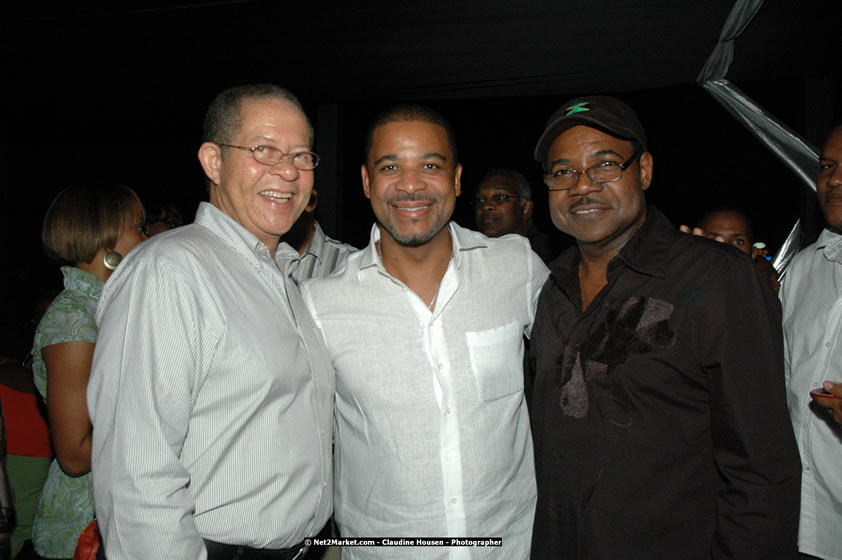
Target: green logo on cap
pixel 577 108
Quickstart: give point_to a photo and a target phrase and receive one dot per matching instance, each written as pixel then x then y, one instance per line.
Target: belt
pixel 220 551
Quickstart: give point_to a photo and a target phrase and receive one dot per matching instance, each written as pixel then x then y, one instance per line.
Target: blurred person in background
pixel 27 435
pixel 88 229
pixel 732 226
pixel 503 205
pixel 320 255
pixel 811 292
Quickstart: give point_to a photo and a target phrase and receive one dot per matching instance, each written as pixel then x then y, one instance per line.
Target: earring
pixel 112 259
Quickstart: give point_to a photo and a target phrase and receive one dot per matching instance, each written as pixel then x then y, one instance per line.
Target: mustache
pixel 588 200
pixel 413 197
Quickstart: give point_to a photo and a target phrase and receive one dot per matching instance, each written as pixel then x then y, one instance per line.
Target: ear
pixel 646 166
pixel 366 188
pixel 314 201
pixel 457 185
pixel 210 156
pixel 527 210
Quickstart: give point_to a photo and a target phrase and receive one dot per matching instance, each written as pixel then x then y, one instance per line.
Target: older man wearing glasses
pixel 659 413
pixel 211 395
pixel 503 205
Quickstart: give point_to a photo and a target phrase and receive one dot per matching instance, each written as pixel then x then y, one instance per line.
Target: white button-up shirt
pixel 433 432
pixel 211 397
pixel 811 293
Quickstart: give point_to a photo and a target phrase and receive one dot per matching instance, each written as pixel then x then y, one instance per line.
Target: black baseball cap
pixel 602 112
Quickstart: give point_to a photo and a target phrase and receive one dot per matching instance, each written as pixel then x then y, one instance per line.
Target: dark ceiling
pixel 173 55
pixel 118 89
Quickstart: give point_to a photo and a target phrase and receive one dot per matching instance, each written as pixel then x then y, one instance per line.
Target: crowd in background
pixel 646 387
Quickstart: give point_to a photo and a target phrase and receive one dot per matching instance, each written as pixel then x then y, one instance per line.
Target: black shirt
pixel 659 416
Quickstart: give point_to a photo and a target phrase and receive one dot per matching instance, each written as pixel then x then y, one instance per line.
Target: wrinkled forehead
pixel 256 114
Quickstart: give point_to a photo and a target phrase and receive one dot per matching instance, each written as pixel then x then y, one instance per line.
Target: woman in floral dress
pixel 88 229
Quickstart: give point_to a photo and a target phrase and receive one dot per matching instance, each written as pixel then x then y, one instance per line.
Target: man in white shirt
pixel 811 294
pixel 424 327
pixel 210 391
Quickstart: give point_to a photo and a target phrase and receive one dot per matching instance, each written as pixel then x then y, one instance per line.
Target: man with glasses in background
pixel 503 205
pixel 210 393
pixel 659 413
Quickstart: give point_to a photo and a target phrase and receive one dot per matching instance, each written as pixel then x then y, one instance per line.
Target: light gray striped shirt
pixel 211 397
pixel 322 257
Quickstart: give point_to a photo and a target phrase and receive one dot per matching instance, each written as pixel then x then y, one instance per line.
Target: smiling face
pixel 602 217
pixel 830 180
pixel 412 181
pixel 265 199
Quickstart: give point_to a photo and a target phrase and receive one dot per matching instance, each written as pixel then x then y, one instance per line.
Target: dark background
pixel 117 91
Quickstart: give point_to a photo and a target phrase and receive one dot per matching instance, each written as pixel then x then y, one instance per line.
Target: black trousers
pixel 219 551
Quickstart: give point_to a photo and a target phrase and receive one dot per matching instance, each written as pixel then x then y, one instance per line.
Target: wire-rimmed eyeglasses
pixel 495 199
pixel 267 155
pixel 562 178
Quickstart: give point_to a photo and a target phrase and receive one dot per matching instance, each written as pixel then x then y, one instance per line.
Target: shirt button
pixel 827 344
pixel 441 366
pixel 453 501
pixel 448 410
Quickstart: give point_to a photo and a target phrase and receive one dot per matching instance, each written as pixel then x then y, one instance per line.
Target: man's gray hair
pixel 222 119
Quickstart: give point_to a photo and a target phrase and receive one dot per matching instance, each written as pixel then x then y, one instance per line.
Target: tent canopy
pixel 150 54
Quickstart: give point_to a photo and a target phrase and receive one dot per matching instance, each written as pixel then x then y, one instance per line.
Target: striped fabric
pixel 211 398
pixel 322 257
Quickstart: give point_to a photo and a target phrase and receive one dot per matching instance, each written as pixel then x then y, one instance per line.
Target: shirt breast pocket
pixel 497 360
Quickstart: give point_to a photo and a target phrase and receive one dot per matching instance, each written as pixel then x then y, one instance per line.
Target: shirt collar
pixel 78 280
pixel 462 239
pixel 831 245
pixel 317 242
pixel 646 252
pixel 239 238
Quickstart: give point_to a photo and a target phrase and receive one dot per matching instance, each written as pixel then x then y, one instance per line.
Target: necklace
pixel 435 297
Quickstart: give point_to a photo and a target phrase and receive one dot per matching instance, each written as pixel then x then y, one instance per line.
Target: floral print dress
pixel 67 503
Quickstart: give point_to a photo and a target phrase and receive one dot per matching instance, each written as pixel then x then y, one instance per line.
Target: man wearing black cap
pixel 659 412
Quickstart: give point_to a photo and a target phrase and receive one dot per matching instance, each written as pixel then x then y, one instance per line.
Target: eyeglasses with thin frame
pixel 267 155
pixel 565 178
pixel 495 199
